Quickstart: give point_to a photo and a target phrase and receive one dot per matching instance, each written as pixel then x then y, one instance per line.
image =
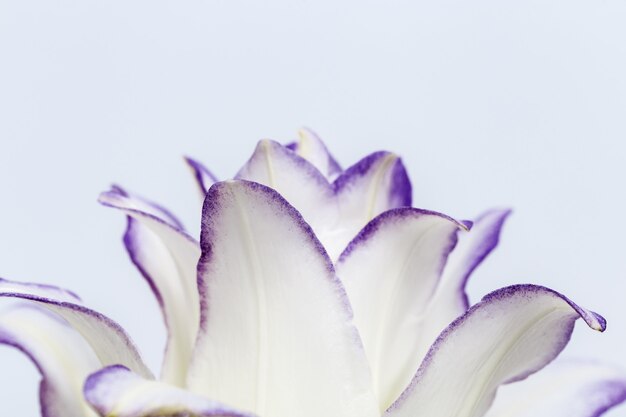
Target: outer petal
pixel 166 257
pixel 296 179
pixel 563 389
pixel 311 148
pixel 62 356
pixel 116 391
pixel 204 177
pixel 391 271
pixel 450 299
pixel 510 334
pixel 107 339
pixel 372 186
pixel 276 336
pixel 470 252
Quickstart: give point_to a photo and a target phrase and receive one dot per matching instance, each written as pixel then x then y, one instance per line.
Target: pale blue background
pixel 489 102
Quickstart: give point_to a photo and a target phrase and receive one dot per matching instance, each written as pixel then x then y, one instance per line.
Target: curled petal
pixel 276 337
pixel 108 340
pixel 204 177
pixel 391 270
pixel 512 333
pixel 116 391
pixel 62 356
pixel 562 389
pixel 166 257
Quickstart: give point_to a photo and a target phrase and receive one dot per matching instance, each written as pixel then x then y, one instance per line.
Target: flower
pixel 312 291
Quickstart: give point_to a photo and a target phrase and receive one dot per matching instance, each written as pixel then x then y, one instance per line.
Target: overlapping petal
pixel 62 356
pixel 562 389
pixel 116 391
pixel 203 175
pixel 510 334
pixel 108 340
pixel 337 211
pixel 310 147
pixel 276 337
pixel 167 257
pixel 391 271
pixel 450 300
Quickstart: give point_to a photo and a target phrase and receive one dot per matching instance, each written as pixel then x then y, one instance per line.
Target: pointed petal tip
pixel 594 320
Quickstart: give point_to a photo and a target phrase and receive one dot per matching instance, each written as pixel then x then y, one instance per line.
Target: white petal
pixel 391 271
pixel 204 177
pixel 276 337
pixel 166 257
pixel 450 300
pixel 115 391
pixel 510 334
pixel 562 389
pixel 107 339
pixel 296 180
pixel 62 356
pixel 311 148
pixel 372 186
pixel 469 253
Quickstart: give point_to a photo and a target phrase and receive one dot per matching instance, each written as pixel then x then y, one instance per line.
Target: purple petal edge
pixel 333 165
pixel 167 214
pixel 496 295
pixel 157 219
pixel 300 162
pixel 212 206
pixel 400 193
pixel 198 169
pixel 618 396
pixel 84 310
pixel 391 216
pixel 8 340
pixel 487 246
pixel 93 380
pixel 131 244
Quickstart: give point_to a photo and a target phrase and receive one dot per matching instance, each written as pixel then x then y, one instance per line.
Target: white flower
pixel 312 292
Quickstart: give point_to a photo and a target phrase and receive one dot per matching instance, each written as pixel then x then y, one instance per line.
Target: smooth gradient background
pixel 517 104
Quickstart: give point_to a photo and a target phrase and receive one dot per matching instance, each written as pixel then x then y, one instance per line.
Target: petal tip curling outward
pixel 522 328
pixel 276 324
pixel 204 177
pixel 166 256
pixel 116 391
pixel 107 338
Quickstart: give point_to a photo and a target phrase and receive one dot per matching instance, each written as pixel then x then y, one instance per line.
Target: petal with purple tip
pixel 512 333
pixel 296 179
pixel 108 340
pixel 391 270
pixel 310 147
pixel 562 389
pixel 166 257
pixel 471 251
pixel 373 185
pixel 116 391
pixel 62 356
pixel 204 177
pixel 450 299
pixel 276 333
